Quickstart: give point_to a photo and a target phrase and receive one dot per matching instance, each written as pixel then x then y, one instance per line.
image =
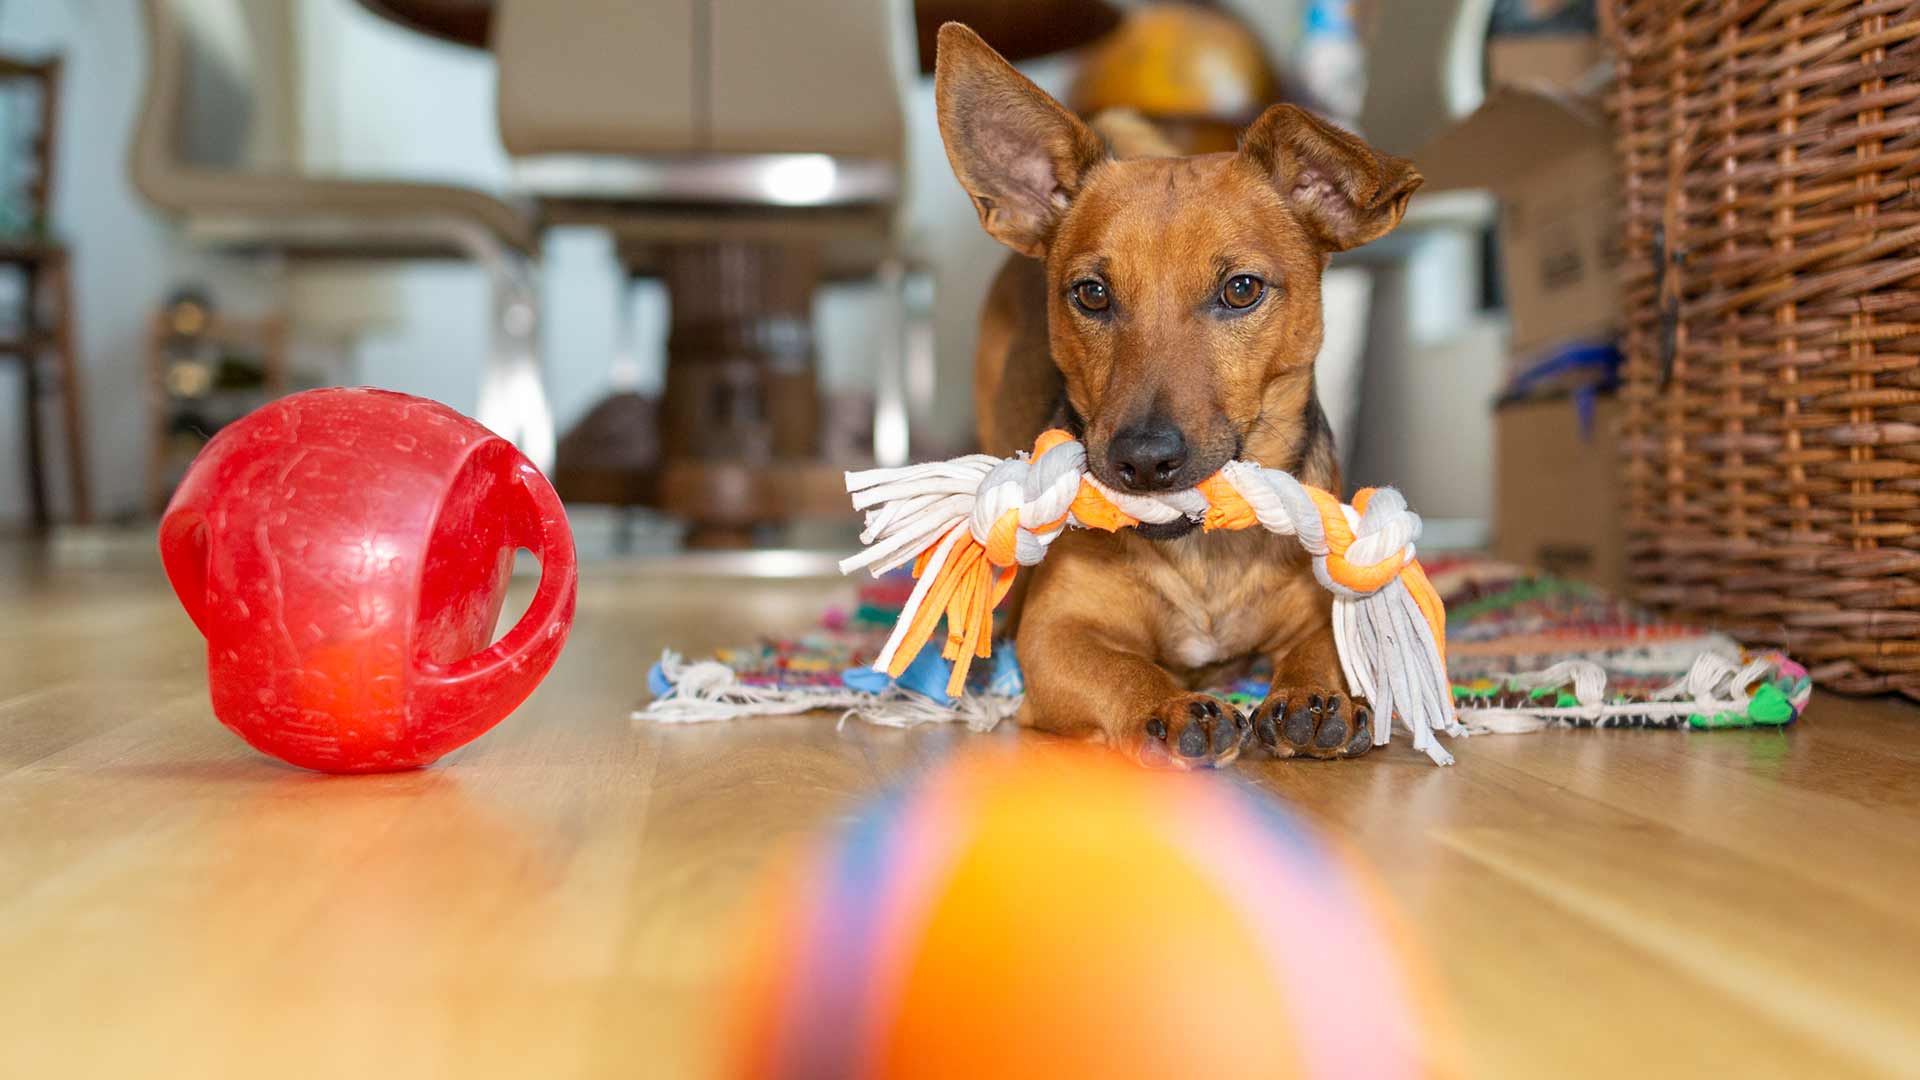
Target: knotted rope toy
pixel 968 524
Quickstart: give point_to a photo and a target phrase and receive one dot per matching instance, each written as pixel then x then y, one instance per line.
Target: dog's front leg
pixel 1307 713
pixel 1093 680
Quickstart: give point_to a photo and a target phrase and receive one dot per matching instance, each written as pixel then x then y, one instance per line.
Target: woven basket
pixel 1770 159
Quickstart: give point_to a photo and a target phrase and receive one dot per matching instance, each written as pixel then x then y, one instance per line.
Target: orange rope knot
pixel 968 524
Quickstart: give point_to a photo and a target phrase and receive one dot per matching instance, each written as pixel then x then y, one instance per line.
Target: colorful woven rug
pixel 1525 652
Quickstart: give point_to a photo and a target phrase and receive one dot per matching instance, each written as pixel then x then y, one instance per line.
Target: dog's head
pixel 1184 307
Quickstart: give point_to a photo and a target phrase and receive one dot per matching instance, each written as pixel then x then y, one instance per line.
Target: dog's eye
pixel 1242 291
pixel 1091 296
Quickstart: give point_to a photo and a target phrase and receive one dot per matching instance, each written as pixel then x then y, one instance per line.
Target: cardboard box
pixel 1569 64
pixel 1557 489
pixel 1560 251
pixel 1543 147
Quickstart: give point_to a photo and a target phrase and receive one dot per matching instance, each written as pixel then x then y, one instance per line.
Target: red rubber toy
pixel 346 554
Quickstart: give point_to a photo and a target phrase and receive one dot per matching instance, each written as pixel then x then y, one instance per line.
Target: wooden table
pixel 555 900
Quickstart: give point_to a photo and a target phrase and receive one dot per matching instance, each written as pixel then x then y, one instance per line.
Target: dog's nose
pixel 1147 455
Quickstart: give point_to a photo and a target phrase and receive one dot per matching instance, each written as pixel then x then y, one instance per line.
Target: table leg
pixel 59 286
pixel 40 515
pixel 740 388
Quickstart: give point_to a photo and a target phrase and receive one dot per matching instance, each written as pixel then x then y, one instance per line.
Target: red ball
pixel 346 553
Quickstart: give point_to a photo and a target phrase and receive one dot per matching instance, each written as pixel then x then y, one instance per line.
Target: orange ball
pixel 1066 914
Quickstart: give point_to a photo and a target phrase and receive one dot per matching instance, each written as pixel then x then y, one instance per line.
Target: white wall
pixel 125 257
pixel 1433 368
pixel 377 100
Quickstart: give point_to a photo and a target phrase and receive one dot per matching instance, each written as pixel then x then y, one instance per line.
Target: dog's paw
pixel 1190 731
pixel 1313 723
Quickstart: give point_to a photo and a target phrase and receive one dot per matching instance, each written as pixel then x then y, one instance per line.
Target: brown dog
pixel 1171 322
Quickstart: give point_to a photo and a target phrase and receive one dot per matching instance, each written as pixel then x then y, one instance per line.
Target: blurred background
pixel 698 258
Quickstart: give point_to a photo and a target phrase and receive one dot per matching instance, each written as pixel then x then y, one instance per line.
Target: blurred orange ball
pixel 1055 914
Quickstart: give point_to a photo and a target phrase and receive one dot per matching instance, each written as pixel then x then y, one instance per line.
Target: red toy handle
pixel 510 668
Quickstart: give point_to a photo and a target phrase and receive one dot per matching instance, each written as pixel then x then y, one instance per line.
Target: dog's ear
pixel 1020 154
pixel 1345 191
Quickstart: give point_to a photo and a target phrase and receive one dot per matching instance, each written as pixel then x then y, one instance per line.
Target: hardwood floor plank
pixel 560 898
pixel 1810 960
pixel 1752 793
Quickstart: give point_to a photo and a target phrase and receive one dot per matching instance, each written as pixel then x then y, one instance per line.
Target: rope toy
pixel 968 524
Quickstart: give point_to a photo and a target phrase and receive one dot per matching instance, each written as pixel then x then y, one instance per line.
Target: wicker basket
pixel 1771 168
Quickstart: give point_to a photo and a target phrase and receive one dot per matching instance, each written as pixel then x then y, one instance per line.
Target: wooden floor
pixel 554 900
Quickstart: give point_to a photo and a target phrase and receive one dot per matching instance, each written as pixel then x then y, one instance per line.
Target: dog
pixel 1166 311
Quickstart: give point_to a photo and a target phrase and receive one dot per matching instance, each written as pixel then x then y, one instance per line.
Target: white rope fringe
pixel 1713 684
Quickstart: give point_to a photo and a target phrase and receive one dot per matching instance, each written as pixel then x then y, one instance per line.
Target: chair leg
pixel 60 293
pixel 157 413
pixel 920 373
pixel 40 515
pixel 513 401
pixel 892 423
